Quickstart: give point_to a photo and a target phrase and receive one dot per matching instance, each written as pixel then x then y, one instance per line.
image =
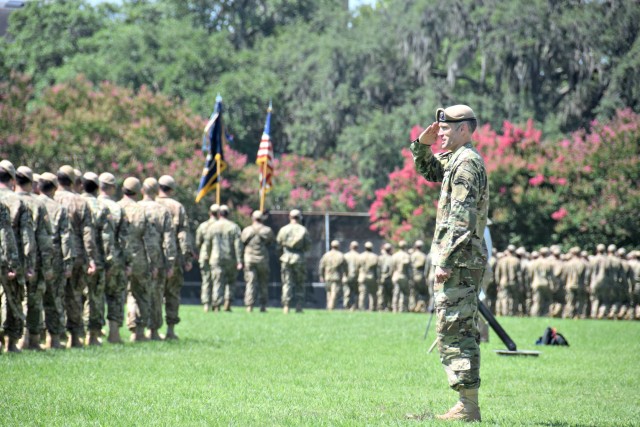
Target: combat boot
pixel 94 337
pixel 154 335
pixel 206 308
pixel 114 333
pixel 263 308
pixel 138 334
pixel 298 308
pixel 12 345
pixel 34 342
pixel 53 342
pixel 285 308
pixel 466 409
pixel 23 343
pixel 74 341
pixel 216 308
pixel 227 305
pixel 171 335
pixel 249 308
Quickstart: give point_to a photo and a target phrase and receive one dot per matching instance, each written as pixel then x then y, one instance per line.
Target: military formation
pixel 576 284
pixel 72 255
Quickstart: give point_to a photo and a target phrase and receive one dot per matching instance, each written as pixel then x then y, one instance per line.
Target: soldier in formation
pixel 332 270
pixel 256 239
pixel 293 243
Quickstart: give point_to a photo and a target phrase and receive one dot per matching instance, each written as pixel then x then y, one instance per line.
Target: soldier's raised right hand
pixel 430 134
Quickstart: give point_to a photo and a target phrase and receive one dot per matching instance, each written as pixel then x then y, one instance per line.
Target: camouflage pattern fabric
pixel 385 285
pixel 418 289
pixel 509 279
pixel 202 245
pixel 9 288
pixel 368 280
pixel 226 252
pixel 574 275
pixel 256 239
pixel 350 281
pixel 401 268
pixel 293 242
pixel 541 279
pixel 332 269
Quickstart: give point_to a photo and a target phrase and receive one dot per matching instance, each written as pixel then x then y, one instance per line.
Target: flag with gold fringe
pixel 264 158
pixel 212 140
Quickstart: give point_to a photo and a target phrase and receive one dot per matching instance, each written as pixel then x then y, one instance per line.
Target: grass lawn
pixel 322 368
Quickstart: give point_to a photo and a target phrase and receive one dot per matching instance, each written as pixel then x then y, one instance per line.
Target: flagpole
pixel 263 184
pixel 219 178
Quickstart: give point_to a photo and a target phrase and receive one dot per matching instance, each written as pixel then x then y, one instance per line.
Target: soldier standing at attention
pixel 331 270
pixel 401 273
pixel 509 278
pixel 368 278
pixel 83 251
pixel 43 267
pixel 116 276
pixel 458 249
pixel 162 252
pixel 385 286
pixel 574 275
pixel 206 289
pixel 103 228
pixel 174 284
pixel 22 256
pixel 350 281
pixel 53 299
pixel 225 258
pixel 293 242
pixel 256 239
pixel 419 292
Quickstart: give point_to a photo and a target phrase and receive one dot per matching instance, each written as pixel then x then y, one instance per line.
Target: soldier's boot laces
pixel 12 345
pixel 171 335
pixel 34 342
pixel 74 341
pixel 154 335
pixel 94 337
pixel 466 409
pixel 114 333
pixel 53 342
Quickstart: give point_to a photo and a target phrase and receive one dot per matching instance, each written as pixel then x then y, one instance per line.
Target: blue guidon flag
pixel 214 135
pixel 265 155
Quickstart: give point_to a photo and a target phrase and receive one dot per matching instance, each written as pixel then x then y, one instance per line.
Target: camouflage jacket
pixel 332 267
pixel 507 272
pixel 184 245
pixel 367 267
pixel 163 250
pixel 202 244
pixel 256 239
pixel 103 229
pixel 82 238
pixel 351 258
pixel 117 219
pixel 384 266
pixel 419 264
pixel 22 224
pixel 400 265
pixel 41 229
pixel 8 247
pixel 463 205
pixel 224 242
pixel 139 236
pixel 60 233
pixel 573 274
pixel 293 241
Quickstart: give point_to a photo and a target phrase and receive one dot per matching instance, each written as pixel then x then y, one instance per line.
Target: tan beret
pixel 295 213
pixel 132 184
pixel 49 177
pixel 9 168
pixel 150 184
pixel 90 176
pixel 67 171
pixel 214 208
pixel 25 172
pixel 167 181
pixel 454 114
pixel 257 215
pixel 107 178
pixel 368 245
pixel 335 244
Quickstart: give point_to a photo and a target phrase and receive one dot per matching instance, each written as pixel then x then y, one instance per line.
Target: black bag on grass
pixel 552 337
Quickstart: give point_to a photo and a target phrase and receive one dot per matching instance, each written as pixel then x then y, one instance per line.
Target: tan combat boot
pixel 206 308
pixel 114 333
pixel 466 409
pixel 74 341
pixel 227 305
pixel 249 308
pixel 216 308
pixel 34 342
pixel 285 308
pixel 138 334
pixel 154 335
pixel 94 337
pixel 171 335
pixel 12 345
pixel 53 342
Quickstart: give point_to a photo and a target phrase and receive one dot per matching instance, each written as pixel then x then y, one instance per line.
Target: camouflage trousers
pixel 95 300
pixel 138 306
pixel 333 288
pixel 456 305
pixel 114 293
pixel 73 294
pixel 224 277
pixel 172 287
pixel 385 293
pixel 256 276
pixel 12 313
pixel 368 292
pixel 541 299
pixel 53 303
pixel 206 288
pixel 349 293
pixel 418 293
pixel 602 301
pixel 508 302
pixel 293 278
pixel 156 299
pixel 400 299
pixel 33 306
pixel 576 306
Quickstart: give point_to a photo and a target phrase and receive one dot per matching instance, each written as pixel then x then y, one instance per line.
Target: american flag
pixel 265 155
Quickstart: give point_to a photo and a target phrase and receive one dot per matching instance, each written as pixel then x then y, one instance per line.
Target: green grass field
pixel 321 368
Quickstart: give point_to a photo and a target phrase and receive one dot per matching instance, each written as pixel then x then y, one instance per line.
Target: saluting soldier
pixel 62 261
pixel 202 244
pixel 174 284
pixel 419 292
pixel 162 252
pixel 385 285
pixel 458 248
pixel 18 249
pixel 350 281
pixel 293 242
pixel 400 276
pixel 256 240
pixel 43 267
pixel 331 270
pixel 368 278
pixel 225 258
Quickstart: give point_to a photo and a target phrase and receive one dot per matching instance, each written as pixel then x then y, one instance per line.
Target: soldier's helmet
pixel 368 245
pixel 402 244
pixel 295 213
pixel 418 244
pixel 611 248
pixel 214 208
pixel 601 247
pixel 353 245
pixel 511 248
pixel 335 244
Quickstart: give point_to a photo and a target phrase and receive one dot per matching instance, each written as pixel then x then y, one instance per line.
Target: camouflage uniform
pixel 419 291
pixel 385 286
pixel 174 284
pixel 202 244
pixel 293 242
pixel 83 253
pixel 162 253
pixel 37 286
pixel 9 261
pixel 614 276
pixel 541 284
pixel 116 280
pixel 95 285
pixel 368 279
pixel 256 239
pixel 458 244
pixel 350 280
pixel 14 289
pixel 226 252
pixel 509 278
pixel 331 270
pixel 574 275
pixel 490 284
pixel 600 290
pixel 401 273
pixel 634 263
